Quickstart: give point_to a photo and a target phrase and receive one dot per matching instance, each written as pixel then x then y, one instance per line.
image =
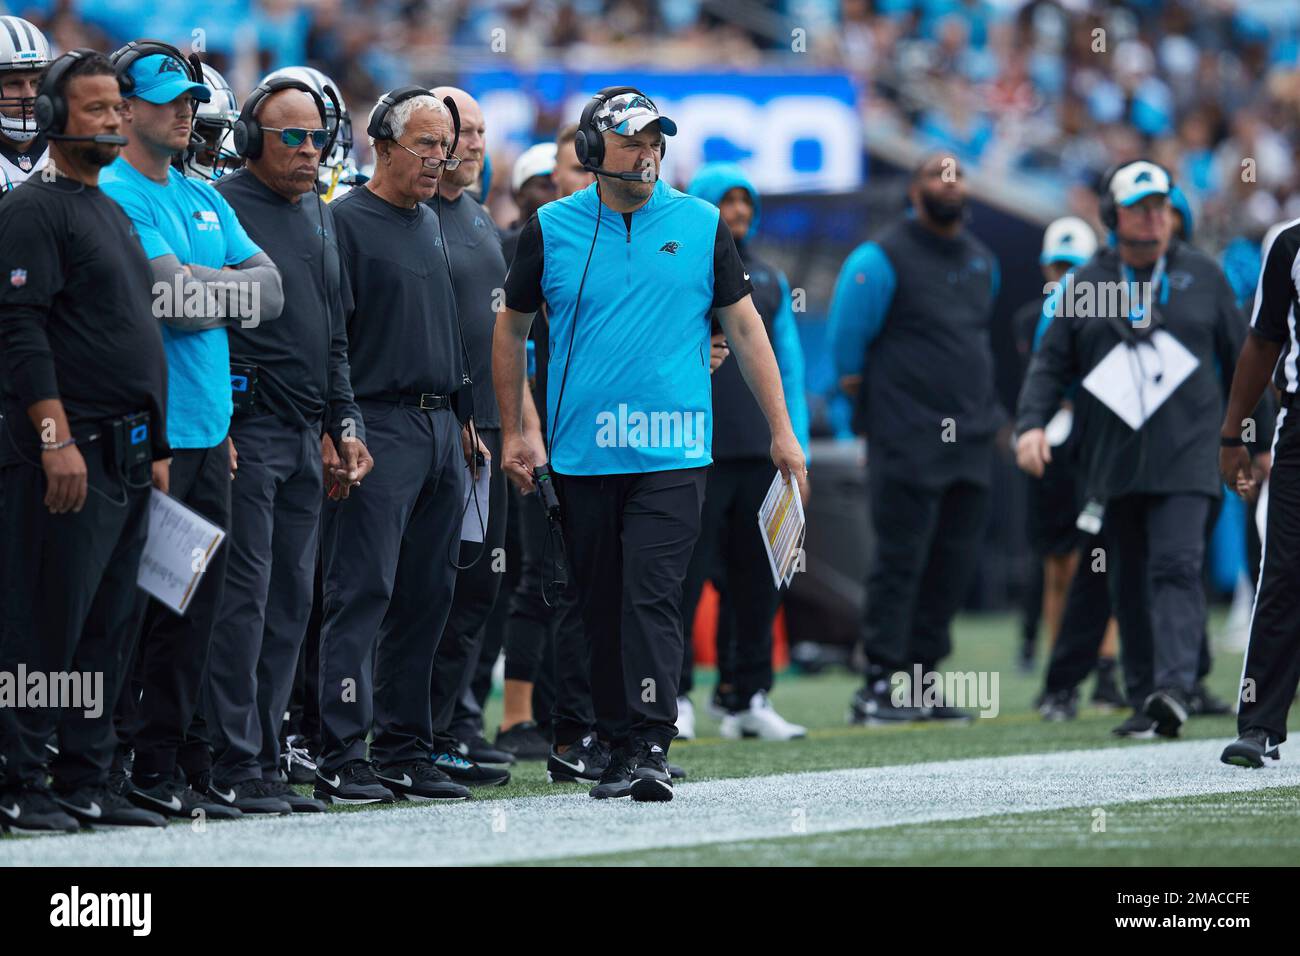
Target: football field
pixel 1005 790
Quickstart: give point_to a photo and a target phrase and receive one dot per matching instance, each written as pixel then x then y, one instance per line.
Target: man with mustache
pixel 909 327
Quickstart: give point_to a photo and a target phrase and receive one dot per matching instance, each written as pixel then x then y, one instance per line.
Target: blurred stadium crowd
pixel 1041 95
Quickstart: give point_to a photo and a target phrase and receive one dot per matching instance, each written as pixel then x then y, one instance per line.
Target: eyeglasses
pixel 296 135
pixel 451 162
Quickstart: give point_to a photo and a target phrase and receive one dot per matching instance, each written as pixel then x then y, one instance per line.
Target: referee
pixel 1271 671
pixel 630 347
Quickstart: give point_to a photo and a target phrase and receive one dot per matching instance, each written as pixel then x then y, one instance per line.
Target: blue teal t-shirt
pixel 190 220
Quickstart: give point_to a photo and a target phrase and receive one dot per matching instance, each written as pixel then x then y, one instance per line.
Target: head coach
pixel 630 270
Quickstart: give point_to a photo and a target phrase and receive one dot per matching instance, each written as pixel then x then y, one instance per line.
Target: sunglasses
pixel 296 135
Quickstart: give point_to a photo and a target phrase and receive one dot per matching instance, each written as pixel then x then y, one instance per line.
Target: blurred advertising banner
pixel 790 133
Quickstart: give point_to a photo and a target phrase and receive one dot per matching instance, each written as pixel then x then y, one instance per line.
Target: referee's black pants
pixel 1155 547
pixel 927 543
pixel 171 656
pixel 1271 671
pixel 629 539
pixel 730 551
pixel 74 577
pixel 477 584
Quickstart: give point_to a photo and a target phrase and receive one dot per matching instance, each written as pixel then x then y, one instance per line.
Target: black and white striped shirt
pixel 1277 301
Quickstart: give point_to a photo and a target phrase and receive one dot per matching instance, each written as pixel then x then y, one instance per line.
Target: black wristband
pixel 1231 441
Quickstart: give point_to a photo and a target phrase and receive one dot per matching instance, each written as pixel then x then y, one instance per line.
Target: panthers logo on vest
pixel 671 247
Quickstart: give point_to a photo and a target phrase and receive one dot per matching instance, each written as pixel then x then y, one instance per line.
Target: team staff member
pixel 478 270
pixel 81 352
pixel 302 387
pixel 389 547
pixel 631 503
pixel 738 483
pixel 1152 488
pixel 195 244
pixel 909 328
pixel 1271 670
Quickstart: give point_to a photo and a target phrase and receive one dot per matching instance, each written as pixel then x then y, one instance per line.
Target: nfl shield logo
pixel 18 278
pixel 25 163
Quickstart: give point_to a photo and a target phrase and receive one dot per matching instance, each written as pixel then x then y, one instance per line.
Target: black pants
pixel 304 701
pixel 629 539
pixel 74 576
pixel 275 516
pixel 1271 672
pixel 1155 546
pixel 926 547
pixel 172 653
pixel 730 552
pixel 476 592
pixel 388 587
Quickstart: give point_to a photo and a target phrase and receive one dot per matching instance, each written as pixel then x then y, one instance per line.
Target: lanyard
pixel 1157 280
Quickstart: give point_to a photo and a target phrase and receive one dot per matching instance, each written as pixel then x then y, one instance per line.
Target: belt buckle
pixel 432 399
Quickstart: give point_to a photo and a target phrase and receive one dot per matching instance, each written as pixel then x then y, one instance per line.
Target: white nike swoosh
pixel 406 780
pixel 12 813
pixel 90 811
pixel 746 275
pixel 228 797
pixel 578 767
pixel 333 783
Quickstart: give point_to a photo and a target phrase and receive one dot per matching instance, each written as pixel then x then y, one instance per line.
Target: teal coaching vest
pixel 638 396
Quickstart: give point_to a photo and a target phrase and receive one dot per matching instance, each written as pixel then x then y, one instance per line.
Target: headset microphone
pixel 103 139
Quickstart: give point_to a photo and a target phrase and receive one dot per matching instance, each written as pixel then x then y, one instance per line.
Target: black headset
pixel 51 108
pixel 125 56
pixel 589 142
pixel 379 128
pixel 1106 200
pixel 247 132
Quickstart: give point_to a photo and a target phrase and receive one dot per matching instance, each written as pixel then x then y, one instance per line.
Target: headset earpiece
pixel 247 131
pixel 378 127
pixel 50 110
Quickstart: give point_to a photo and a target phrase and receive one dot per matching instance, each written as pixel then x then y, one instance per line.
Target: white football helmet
pixel 337 168
pixel 23 48
pixel 215 122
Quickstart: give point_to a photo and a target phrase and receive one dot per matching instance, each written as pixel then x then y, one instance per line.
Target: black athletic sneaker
pixel 650 779
pixel 101 808
pixel 524 741
pixel 296 765
pixel 33 812
pixel 172 798
pixel 1205 704
pixel 676 772
pixel 616 779
pixel 298 803
pixel 1252 749
pixel 1138 726
pixel 249 796
pixel 421 780
pixel 1169 709
pixel 872 705
pixel 478 750
pixel 463 770
pixel 583 762
pixel 1106 692
pixel 354 782
pixel 1058 706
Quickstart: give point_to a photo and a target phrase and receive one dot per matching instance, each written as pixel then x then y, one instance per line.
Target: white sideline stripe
pixel 719 811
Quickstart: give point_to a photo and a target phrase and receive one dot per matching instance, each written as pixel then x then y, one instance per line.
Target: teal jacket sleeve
pixel 863 294
pixel 789 359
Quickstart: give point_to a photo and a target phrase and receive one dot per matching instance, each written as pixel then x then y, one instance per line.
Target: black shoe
pixel 1105 692
pixel 650 779
pixel 33 812
pixel 1169 709
pixel 1025 657
pixel 946 714
pixel 296 765
pixel 872 705
pixel 524 742
pixel 172 798
pixel 249 796
pixel 1251 749
pixel 354 782
pixel 676 772
pixel 583 762
pixel 616 779
pixel 421 780
pixel 101 808
pixel 1058 706
pixel 1204 704
pixel 297 802
pixel 463 770
pixel 478 750
pixel 119 781
pixel 1138 726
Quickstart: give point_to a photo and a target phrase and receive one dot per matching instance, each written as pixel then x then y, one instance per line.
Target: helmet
pixel 214 121
pixel 23 48
pixel 337 166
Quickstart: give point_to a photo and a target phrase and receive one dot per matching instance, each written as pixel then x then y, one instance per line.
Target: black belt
pixel 427 401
